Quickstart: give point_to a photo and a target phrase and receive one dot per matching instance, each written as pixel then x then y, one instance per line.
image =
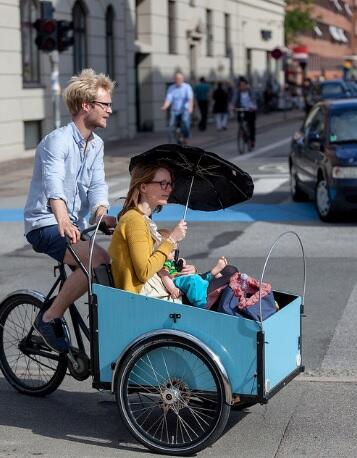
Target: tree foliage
pixel 298 18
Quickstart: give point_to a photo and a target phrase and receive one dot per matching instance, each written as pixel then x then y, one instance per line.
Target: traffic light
pixel 64 35
pixel 46 37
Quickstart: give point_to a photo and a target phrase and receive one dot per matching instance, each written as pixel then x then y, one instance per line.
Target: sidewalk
pixel 210 137
pixel 125 148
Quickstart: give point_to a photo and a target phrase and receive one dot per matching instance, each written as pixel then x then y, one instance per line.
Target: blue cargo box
pixel 124 316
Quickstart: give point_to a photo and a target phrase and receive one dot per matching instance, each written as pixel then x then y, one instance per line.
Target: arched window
pixel 79 14
pixel 29 11
pixel 109 42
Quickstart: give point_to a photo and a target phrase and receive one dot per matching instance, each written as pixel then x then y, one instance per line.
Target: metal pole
pixel 55 88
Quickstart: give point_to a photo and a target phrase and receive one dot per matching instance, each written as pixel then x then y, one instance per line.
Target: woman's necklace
pixel 153 230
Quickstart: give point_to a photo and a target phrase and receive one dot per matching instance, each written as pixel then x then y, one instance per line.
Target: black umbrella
pixel 203 180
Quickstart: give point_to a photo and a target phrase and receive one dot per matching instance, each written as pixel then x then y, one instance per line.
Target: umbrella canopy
pixel 203 180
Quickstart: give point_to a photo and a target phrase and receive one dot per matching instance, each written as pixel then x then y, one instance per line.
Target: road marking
pixel 275 168
pixel 268 185
pixel 342 351
pixel 262 150
pixel 245 212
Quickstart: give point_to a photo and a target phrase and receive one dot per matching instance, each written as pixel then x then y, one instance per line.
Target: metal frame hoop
pixel 266 262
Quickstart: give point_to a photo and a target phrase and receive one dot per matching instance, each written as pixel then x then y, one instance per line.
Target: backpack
pixel 234 301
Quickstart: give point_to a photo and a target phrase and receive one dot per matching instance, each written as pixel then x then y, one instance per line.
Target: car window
pixel 317 122
pixel 343 126
pixel 331 89
pixel 309 118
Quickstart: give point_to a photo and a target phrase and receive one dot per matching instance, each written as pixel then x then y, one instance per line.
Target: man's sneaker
pixel 52 333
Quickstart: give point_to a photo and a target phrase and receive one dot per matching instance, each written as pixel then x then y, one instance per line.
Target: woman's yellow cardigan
pixel 131 250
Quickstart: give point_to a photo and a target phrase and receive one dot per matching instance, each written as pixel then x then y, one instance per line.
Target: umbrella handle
pixel 188 198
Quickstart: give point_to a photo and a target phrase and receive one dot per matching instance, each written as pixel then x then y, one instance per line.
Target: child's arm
pixel 169 284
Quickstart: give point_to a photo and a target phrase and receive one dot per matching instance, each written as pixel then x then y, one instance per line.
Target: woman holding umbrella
pixel 138 251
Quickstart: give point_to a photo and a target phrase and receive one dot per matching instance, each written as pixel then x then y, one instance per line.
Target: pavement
pixel 143 141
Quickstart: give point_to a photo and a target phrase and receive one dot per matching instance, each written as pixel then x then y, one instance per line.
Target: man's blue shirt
pixel 66 169
pixel 179 97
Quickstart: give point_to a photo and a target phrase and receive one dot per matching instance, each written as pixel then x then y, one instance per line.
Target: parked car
pixel 328 90
pixel 323 158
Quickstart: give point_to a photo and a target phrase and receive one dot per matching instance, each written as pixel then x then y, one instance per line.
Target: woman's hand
pixel 179 231
pixel 188 269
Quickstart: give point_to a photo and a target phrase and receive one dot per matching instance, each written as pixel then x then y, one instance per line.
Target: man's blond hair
pixel 83 88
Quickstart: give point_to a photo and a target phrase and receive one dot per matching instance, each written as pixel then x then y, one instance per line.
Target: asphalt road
pixel 314 416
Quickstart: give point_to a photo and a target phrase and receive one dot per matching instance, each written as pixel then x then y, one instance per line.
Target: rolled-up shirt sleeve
pixel 98 189
pixel 53 169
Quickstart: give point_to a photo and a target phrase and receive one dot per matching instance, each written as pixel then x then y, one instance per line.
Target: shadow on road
pixel 82 417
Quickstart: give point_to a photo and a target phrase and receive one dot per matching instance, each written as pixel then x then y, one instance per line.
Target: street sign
pixel 276 53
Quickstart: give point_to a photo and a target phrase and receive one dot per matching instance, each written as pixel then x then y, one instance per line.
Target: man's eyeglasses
pixel 103 105
pixel 164 184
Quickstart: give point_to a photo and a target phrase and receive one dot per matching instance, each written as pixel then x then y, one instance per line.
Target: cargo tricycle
pixel 175 370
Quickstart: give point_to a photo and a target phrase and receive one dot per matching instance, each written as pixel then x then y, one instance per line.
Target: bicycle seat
pixel 103 275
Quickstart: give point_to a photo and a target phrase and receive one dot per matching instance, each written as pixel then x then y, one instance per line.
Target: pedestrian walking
pixel 202 92
pixel 179 98
pixel 68 182
pixel 220 106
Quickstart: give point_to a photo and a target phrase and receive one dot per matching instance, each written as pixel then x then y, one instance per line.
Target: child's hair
pixel 83 88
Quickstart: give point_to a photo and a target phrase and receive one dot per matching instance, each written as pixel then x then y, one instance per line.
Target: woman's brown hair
pixel 141 174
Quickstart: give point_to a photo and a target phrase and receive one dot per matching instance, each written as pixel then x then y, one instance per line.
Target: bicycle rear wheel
pixel 27 363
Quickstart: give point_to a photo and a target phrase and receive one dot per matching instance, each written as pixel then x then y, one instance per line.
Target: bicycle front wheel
pixel 241 141
pixel 171 396
pixel 27 363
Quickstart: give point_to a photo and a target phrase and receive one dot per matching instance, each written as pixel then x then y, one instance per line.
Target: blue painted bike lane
pixel 245 213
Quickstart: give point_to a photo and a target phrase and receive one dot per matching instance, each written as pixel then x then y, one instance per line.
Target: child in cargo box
pixel 194 286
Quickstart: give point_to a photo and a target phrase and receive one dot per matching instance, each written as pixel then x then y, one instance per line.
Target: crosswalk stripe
pixel 268 185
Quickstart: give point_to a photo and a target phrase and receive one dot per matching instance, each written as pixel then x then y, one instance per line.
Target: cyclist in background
pixel 245 98
pixel 179 98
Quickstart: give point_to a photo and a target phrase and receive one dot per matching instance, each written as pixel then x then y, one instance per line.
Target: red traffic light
pixel 49 26
pixel 46 37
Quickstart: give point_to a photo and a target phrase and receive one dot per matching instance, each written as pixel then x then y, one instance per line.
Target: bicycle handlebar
pixel 102 227
pixel 243 109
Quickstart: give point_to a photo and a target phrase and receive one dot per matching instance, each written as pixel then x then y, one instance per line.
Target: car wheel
pixel 324 205
pixel 296 192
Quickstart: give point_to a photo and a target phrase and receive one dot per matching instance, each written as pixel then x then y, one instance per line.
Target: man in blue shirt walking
pixel 68 182
pixel 179 98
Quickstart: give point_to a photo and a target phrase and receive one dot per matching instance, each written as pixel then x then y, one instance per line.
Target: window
pixel 172 27
pixel 109 41
pixel 209 33
pixel 30 11
pixel 32 133
pixel 80 37
pixel 227 34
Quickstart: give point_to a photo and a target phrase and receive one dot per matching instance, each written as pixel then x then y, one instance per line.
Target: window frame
pixel 209 32
pixel 80 46
pixel 110 41
pixel 28 35
pixel 171 22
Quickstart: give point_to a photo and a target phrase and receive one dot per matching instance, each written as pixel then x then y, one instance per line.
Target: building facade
pixel 140 44
pixel 332 39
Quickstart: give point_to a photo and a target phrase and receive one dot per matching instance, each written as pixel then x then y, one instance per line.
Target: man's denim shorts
pixel 48 240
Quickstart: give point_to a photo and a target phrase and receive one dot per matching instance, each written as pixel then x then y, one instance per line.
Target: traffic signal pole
pixel 55 88
pixel 53 37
